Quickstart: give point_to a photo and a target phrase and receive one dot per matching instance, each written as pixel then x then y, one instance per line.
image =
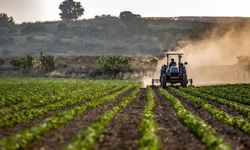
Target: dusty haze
pixel 213 60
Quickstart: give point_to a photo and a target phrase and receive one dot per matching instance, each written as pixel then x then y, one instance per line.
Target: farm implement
pixel 172 72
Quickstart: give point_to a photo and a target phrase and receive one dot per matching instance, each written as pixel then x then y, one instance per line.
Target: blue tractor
pixel 172 72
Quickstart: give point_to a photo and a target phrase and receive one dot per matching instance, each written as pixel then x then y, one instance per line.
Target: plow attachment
pixel 158 82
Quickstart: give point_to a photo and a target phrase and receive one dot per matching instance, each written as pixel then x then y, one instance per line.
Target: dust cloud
pixel 214 58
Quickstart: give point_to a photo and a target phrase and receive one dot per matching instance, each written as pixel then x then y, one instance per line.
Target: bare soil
pixel 235 137
pixel 227 109
pixel 172 133
pixel 6 131
pixel 123 131
pixel 65 133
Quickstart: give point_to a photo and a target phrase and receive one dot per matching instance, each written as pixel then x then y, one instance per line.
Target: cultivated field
pixel 98 114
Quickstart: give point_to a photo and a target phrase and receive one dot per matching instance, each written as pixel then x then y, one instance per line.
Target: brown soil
pixel 6 131
pixel 65 133
pixel 172 133
pixel 123 131
pixel 238 139
pixel 226 108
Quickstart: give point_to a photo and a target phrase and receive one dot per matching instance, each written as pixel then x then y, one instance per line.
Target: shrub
pixel 115 64
pixel 32 28
pixel 1 61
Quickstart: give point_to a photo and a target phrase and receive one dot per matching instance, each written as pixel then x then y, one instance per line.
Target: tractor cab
pixel 173 72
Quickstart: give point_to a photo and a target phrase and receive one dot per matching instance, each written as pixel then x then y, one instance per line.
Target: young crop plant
pixel 244 109
pixel 22 139
pixel 89 136
pixel 149 139
pixel 199 127
pixel 59 98
pixel 237 94
pixel 234 121
pixel 26 92
pixel 23 116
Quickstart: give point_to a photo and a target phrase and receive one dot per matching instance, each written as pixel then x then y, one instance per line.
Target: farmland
pixel 36 113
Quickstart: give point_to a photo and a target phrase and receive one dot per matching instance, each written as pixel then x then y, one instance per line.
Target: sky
pixel 47 10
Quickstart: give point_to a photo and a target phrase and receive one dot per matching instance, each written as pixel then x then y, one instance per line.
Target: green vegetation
pixel 42 63
pixel 24 63
pixel 71 10
pixel 1 61
pixel 20 140
pixel 149 139
pixel 128 34
pixel 47 63
pixel 11 119
pixel 235 121
pixel 56 104
pixel 55 101
pixel 88 138
pixel 115 64
pixel 196 124
pixel 33 28
pixel 7 27
pixel 244 109
pixel 133 22
pixel 238 93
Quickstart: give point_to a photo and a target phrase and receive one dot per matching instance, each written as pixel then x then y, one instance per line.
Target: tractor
pixel 172 72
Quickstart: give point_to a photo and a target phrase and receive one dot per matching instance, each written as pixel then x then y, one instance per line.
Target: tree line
pixel 69 11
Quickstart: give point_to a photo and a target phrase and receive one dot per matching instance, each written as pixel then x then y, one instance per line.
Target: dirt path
pixel 172 133
pixel 123 131
pixel 235 137
pixel 6 131
pixel 65 133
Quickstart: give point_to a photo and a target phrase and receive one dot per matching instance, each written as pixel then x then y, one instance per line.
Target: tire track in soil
pixel 122 133
pixel 172 133
pixel 7 131
pixel 63 135
pixel 235 137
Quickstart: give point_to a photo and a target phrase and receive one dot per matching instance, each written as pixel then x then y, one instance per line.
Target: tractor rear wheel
pixel 164 80
pixel 184 80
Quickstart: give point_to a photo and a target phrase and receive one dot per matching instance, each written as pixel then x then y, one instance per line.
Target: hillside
pixel 106 35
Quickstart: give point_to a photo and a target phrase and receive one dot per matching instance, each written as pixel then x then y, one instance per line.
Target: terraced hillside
pixel 100 114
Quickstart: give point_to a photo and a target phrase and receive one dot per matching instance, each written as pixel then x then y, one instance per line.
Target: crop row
pixel 15 93
pixel 22 139
pixel 244 109
pixel 36 92
pixel 219 86
pixel 31 103
pixel 25 115
pixel 55 96
pixel 233 93
pixel 234 121
pixel 89 136
pixel 199 127
pixel 149 140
